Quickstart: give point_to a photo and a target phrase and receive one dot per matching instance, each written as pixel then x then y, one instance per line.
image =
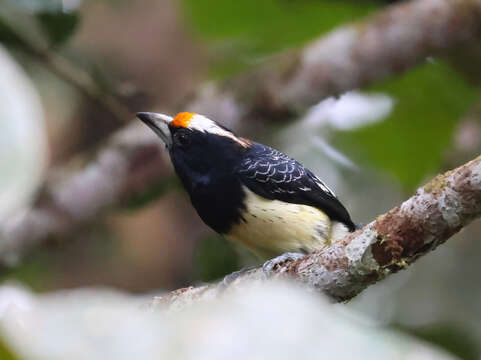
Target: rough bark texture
pixel 391 41
pixel 390 243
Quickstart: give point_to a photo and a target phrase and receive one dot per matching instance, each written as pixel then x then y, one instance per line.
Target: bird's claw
pixel 270 265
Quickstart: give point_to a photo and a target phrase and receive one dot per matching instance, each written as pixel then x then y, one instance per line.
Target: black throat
pixel 207 170
pixel 219 202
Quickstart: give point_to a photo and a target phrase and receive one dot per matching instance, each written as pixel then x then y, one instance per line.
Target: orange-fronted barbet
pixel 250 193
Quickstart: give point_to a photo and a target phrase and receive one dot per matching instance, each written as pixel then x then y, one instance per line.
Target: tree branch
pixel 72 74
pixel 388 43
pixel 396 38
pixel 131 161
pixel 390 243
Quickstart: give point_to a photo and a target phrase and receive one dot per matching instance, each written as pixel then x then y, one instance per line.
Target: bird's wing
pixel 274 175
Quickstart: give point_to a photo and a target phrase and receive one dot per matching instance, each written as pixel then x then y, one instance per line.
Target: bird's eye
pixel 182 138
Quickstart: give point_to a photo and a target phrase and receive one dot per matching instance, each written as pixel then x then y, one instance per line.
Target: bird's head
pixel 197 144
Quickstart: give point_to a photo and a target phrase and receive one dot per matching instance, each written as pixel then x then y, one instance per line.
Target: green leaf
pixel 410 143
pixel 58 26
pixel 244 31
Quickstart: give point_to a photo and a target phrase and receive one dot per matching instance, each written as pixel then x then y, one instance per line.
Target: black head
pixel 201 150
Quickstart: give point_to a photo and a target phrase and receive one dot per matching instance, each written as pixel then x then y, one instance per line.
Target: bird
pixel 248 192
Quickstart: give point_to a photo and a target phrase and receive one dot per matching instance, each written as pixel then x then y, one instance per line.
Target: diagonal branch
pixel 390 243
pixel 130 160
pixel 389 42
pixel 72 74
pixel 393 40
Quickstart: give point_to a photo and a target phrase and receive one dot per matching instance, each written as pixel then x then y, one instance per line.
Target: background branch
pixel 350 57
pixel 71 73
pixel 129 162
pixel 391 41
pixel 390 243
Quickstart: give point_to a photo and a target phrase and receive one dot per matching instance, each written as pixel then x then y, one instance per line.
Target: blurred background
pixel 75 71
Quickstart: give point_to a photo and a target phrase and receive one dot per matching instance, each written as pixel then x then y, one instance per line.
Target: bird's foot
pixel 270 265
pixel 229 279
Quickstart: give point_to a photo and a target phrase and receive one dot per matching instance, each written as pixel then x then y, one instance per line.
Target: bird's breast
pixel 271 227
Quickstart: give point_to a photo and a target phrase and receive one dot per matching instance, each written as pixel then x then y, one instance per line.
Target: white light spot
pixel 23 143
pixel 352 110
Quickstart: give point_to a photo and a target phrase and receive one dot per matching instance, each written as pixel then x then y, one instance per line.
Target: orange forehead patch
pixel 182 119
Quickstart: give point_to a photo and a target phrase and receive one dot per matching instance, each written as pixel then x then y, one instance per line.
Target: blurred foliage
pixel 34 272
pixel 43 269
pixel 58 26
pixel 451 337
pixel 8 36
pixel 410 143
pixel 242 32
pixel 33 6
pixel 151 193
pixel 214 258
pixel 5 353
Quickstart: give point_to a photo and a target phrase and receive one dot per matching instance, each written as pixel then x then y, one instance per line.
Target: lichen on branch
pixel 390 243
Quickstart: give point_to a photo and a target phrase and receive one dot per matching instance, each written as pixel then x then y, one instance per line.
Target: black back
pixel 274 175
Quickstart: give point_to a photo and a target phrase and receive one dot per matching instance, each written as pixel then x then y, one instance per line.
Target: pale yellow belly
pixel 273 227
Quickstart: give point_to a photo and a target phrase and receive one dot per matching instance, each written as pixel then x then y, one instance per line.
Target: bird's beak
pixel 159 125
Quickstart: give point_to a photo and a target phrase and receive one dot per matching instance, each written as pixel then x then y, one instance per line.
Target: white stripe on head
pixel 206 125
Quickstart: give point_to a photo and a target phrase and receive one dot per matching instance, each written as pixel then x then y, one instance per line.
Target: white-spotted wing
pixel 274 175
